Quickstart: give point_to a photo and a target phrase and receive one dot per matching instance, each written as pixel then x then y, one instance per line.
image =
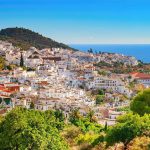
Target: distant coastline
pixel 140 51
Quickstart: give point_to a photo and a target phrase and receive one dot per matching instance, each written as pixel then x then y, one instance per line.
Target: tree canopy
pixel 2 63
pixel 140 143
pixel 85 123
pixel 141 103
pixel 99 99
pixel 29 129
pixel 128 127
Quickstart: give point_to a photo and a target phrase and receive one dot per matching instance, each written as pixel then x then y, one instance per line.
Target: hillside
pixel 25 38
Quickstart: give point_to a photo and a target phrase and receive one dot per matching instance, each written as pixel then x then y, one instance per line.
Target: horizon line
pixel 108 43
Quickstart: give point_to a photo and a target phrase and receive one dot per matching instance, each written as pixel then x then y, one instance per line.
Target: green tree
pixel 21 61
pixel 128 127
pixel 59 115
pixel 1 118
pixel 2 63
pixel 60 118
pixel 99 99
pixel 32 105
pixel 106 126
pixel 85 123
pixel 75 116
pixel 101 92
pixel 104 73
pixel 29 129
pixel 141 103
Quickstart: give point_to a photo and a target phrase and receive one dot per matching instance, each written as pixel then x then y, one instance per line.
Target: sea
pixel 139 51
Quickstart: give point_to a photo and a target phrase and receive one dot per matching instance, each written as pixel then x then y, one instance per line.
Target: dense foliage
pixel 2 63
pixel 25 38
pixel 102 64
pixel 86 123
pixel 140 143
pixel 29 129
pixel 99 99
pixel 32 129
pixel 90 133
pixel 128 127
pixel 141 103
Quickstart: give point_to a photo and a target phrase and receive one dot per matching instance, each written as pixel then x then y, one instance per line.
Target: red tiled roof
pixel 8 91
pixel 2 88
pixel 81 79
pixel 140 75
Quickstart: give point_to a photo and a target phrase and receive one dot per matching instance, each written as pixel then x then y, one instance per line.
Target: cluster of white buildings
pixel 111 58
pixel 109 84
pixel 141 78
pixel 58 78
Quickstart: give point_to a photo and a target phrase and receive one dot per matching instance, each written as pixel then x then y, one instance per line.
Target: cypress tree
pixel 106 126
pixel 21 61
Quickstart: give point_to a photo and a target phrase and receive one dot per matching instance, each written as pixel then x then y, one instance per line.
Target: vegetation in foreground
pixel 24 129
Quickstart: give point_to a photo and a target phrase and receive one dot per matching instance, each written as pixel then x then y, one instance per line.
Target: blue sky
pixel 81 21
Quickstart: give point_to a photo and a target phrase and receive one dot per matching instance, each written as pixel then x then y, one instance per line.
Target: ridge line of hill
pixel 25 38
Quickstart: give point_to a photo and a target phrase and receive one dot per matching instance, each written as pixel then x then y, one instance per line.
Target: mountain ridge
pixel 26 38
